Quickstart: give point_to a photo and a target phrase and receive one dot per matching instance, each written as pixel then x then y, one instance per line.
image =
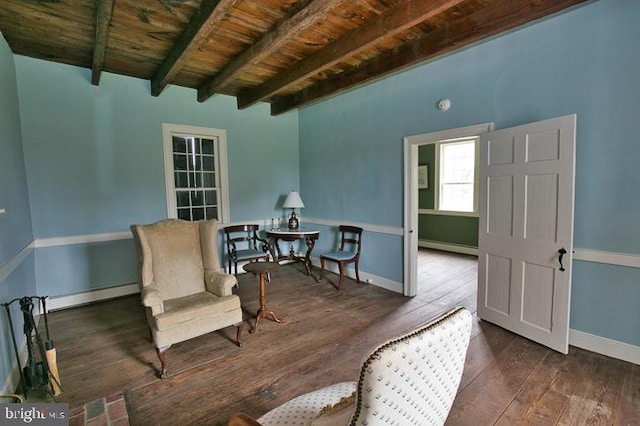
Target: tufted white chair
pixel 409 380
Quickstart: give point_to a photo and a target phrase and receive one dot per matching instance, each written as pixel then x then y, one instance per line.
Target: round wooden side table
pixel 261 269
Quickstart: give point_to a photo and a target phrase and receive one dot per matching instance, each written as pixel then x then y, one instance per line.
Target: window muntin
pixel 195 178
pixel 195 172
pixel 457 178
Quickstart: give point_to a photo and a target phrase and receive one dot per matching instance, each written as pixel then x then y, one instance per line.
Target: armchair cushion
pixel 194 308
pixel 175 258
pixel 305 409
pixel 337 414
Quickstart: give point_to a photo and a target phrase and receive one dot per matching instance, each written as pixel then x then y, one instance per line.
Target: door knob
pixel 562 252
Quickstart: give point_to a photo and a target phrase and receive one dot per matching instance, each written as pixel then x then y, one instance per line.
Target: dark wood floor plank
pixel 628 412
pixel 490 393
pixel 544 396
pixel 598 393
pixel 483 350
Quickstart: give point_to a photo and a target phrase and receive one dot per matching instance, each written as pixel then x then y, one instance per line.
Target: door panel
pixel 501 151
pixel 538 288
pixel 543 146
pixel 500 205
pixel 542 207
pixel 499 293
pixel 526 216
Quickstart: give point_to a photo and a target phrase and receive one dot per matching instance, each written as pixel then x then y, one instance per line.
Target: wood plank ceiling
pixel 286 52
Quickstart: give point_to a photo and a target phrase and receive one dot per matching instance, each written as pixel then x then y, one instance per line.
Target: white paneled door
pixel 526 229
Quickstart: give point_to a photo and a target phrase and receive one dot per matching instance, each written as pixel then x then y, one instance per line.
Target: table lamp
pixel 293 201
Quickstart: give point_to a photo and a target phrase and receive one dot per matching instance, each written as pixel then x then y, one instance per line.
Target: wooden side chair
pixel 348 252
pixel 243 244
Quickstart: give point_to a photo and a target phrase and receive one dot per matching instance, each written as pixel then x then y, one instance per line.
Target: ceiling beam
pixel 500 17
pixel 103 22
pixel 202 23
pixel 393 21
pixel 304 14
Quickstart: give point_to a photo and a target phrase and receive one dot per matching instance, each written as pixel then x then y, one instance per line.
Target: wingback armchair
pixel 409 380
pixel 184 292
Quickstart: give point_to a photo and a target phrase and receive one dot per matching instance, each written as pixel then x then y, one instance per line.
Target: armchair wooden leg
pixel 242 419
pixel 341 267
pixel 357 272
pixel 239 334
pixel 162 355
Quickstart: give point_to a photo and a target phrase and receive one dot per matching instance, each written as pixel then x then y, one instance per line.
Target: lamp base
pixel 293 221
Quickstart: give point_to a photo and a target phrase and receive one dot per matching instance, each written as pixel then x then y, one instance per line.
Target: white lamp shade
pixel 293 201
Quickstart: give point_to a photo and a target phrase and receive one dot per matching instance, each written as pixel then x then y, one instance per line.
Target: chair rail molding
pixel 82 239
pixel 609 257
pixel 10 266
pixel 380 229
pixel 112 236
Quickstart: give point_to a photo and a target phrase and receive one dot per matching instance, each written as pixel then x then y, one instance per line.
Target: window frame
pixel 220 157
pixel 476 176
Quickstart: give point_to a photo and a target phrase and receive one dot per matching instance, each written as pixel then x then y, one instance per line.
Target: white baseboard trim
pixel 604 346
pixel 364 276
pixel 456 248
pixel 90 296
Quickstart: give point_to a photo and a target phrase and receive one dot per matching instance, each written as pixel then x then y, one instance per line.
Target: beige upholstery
pixel 182 287
pixel 409 380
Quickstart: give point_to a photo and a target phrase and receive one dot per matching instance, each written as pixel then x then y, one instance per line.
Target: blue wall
pixel 584 61
pixel 15 225
pixel 95 164
pixel 17 277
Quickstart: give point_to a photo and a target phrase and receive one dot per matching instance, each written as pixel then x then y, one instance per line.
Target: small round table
pixel 260 269
pixel 308 235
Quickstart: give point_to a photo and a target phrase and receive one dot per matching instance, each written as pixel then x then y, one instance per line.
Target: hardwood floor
pixel 104 349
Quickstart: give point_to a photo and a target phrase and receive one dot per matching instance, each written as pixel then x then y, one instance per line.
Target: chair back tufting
pixel 413 379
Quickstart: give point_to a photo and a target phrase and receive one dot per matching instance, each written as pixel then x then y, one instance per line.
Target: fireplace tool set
pixel 41 369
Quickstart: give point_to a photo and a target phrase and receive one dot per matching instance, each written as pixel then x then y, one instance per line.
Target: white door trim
pixel 411 144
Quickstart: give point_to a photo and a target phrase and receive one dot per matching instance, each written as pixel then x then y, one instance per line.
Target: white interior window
pixel 457 182
pixel 195 161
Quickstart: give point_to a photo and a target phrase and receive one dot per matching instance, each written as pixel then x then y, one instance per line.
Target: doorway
pixel 411 146
pixel 525 224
